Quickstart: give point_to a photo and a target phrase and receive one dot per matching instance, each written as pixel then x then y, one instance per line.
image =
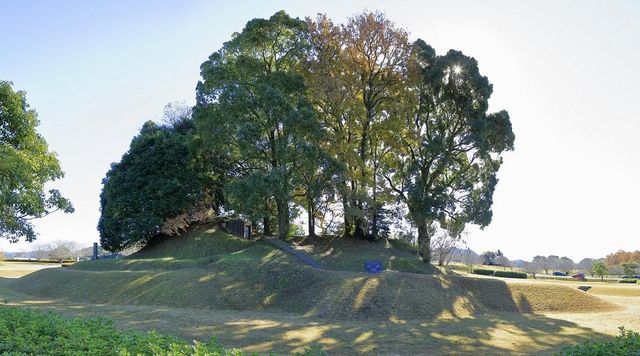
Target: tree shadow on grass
pixel 480 331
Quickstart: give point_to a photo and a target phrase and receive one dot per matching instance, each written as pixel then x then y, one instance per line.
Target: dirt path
pixel 494 333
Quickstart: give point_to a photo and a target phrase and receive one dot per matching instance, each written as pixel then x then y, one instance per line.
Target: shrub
pixel 510 274
pixel 626 343
pixel 628 280
pixel 484 272
pixel 30 332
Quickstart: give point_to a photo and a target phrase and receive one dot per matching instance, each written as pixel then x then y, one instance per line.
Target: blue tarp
pixel 373 266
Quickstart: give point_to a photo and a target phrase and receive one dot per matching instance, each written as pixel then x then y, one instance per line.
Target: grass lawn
pixel 11 269
pixel 348 254
pixel 253 296
pixel 287 333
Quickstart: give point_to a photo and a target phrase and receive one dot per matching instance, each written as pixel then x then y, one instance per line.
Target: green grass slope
pixel 210 269
pixel 348 254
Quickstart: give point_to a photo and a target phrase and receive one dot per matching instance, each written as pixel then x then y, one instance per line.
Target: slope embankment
pixel 210 269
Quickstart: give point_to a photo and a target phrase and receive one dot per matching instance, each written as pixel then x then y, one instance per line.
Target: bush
pixel 29 332
pixel 628 280
pixel 626 343
pixel 484 272
pixel 510 274
pixel 24 331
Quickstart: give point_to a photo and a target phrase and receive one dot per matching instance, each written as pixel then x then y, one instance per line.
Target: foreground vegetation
pixel 28 332
pixel 626 343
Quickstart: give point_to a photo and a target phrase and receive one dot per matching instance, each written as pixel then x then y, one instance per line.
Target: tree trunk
pixel 283 218
pixel 424 242
pixel 266 223
pixel 311 211
pixel 345 212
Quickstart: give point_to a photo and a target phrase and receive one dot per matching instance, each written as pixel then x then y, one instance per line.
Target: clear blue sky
pixel 566 71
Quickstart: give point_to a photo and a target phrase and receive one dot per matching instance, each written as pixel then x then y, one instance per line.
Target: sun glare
pixel 457 69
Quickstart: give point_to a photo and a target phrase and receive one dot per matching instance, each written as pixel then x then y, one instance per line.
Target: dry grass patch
pixel 516 296
pixel 11 269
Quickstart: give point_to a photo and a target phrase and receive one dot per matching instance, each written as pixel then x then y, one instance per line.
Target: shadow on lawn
pixel 480 331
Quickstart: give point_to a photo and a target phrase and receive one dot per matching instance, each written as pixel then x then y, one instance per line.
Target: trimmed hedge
pixel 510 274
pixel 629 280
pixel 484 272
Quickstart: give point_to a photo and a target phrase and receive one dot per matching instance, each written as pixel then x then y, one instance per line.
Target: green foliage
pixel 26 166
pixel 484 272
pixel 30 332
pixel 628 280
pixel 251 107
pixel 510 274
pixel 600 269
pixel 451 148
pixel 629 268
pixel 295 230
pixel 626 343
pixel 156 180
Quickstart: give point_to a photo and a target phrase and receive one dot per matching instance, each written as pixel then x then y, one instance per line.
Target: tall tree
pixel 252 108
pixel 26 165
pixel 600 269
pixel 448 155
pixel 354 75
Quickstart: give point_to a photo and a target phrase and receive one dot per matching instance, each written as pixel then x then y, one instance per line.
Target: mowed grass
pixel 253 296
pixel 13 269
pixel 349 254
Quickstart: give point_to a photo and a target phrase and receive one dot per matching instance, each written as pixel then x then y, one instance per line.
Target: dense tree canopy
pixel 26 165
pixel 157 187
pixel 252 108
pixel 311 114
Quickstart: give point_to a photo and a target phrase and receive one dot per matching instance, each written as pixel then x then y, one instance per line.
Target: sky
pixel 567 72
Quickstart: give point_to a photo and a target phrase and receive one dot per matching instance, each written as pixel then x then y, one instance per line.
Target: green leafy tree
pixel 449 153
pixel 251 107
pixel 354 73
pixel 156 182
pixel 26 165
pixel 600 269
pixel 629 268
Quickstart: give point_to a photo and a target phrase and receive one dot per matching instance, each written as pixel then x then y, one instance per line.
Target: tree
pixel 629 268
pixel 157 187
pixel 565 264
pixel 502 261
pixel 600 269
pixel 531 268
pixel 447 157
pixel 554 262
pixel 586 264
pixel 541 263
pixel 490 256
pixel 621 257
pixel 62 250
pixel 251 107
pixel 26 167
pixel 444 243
pixel 354 73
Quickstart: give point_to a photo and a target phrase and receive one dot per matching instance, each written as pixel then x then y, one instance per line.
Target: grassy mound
pixel 534 297
pixel 210 269
pixel 348 254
